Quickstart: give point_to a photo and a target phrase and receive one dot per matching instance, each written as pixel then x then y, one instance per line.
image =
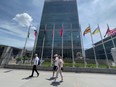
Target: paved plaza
pixel 19 78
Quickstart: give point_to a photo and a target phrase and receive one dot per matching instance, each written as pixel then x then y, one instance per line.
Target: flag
pixel 112 32
pixel 35 33
pixel 108 31
pixel 87 30
pixel 61 32
pixel 96 31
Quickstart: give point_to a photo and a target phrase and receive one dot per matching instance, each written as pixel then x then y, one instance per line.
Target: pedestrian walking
pixel 60 68
pixel 55 62
pixel 36 62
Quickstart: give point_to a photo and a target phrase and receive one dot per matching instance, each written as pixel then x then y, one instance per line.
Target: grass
pixel 78 65
pixel 46 64
pixel 68 63
pixel 103 66
pixel 113 66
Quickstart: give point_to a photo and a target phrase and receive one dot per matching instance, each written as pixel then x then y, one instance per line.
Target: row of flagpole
pixel 97 30
pixel 62 35
pixel 23 53
pixel 87 30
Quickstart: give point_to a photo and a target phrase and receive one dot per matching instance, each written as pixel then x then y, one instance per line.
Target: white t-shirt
pixel 56 61
pixel 36 61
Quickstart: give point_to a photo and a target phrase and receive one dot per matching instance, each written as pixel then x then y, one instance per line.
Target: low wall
pixel 66 69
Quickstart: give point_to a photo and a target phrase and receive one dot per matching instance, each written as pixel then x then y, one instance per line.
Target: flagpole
pixel 111 38
pixel 83 52
pixel 104 48
pixel 35 42
pixel 43 42
pixel 62 31
pixel 113 42
pixel 23 51
pixel 93 49
pixel 52 44
pixel 72 48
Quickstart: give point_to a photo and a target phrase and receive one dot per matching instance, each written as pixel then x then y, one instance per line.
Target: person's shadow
pixel 55 83
pixel 27 78
pixel 8 71
pixel 52 78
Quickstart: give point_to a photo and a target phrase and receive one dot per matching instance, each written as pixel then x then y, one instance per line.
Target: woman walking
pixel 60 68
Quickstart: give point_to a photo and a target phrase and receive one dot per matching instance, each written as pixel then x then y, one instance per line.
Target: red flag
pixel 108 31
pixel 35 33
pixel 87 30
pixel 61 32
pixel 112 32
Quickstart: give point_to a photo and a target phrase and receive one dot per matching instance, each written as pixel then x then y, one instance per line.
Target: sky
pixel 16 16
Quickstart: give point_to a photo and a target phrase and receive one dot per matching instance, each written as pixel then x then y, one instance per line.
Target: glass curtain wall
pixel 59 29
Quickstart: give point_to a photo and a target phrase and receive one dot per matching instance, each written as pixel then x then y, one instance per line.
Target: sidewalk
pixel 18 78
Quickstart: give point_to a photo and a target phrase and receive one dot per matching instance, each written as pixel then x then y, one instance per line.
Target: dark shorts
pixel 54 67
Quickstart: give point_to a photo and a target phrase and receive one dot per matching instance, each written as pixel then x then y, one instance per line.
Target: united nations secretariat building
pixel 59 30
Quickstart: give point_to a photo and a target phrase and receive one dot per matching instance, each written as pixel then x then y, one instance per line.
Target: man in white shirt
pixel 36 60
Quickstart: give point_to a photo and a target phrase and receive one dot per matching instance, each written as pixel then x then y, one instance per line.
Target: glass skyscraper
pixel 59 29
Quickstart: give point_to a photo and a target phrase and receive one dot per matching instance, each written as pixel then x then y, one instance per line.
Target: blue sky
pixel 96 12
pixel 15 18
pixel 17 15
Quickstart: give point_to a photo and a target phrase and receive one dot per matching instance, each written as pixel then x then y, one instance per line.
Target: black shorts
pixel 55 68
pixel 62 68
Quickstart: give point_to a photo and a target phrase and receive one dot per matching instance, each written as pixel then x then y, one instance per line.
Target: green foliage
pixel 67 60
pixel 91 65
pixel 18 59
pixel 25 58
pixel 46 64
pixel 103 66
pixel 67 64
pixel 79 65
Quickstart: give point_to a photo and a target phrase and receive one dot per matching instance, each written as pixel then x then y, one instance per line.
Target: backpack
pixel 39 62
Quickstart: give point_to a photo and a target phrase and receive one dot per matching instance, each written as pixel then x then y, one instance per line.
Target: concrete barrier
pixel 66 69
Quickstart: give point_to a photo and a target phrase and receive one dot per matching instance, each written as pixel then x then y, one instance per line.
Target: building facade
pixel 109 43
pixel 59 30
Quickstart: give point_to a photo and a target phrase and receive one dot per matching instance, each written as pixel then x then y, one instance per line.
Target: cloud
pixel 33 28
pixel 13 29
pixel 24 19
pixel 14 35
